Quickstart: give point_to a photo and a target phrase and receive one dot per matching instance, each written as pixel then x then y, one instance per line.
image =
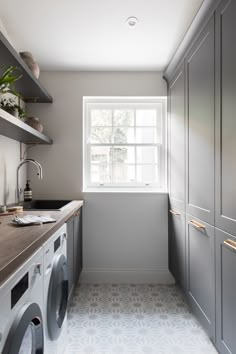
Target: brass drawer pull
pixel 174 212
pixel 231 244
pixel 77 213
pixel 197 224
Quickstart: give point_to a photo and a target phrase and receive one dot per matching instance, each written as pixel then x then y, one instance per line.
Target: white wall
pixel 125 235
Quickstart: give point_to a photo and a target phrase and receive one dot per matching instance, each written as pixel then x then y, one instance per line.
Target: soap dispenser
pixel 27 192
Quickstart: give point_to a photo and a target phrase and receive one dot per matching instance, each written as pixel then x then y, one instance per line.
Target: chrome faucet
pixel 39 173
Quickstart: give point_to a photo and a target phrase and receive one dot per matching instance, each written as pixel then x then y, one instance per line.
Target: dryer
pixel 55 292
pixel 21 310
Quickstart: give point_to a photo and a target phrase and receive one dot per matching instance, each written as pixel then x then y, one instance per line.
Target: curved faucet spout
pixel 39 173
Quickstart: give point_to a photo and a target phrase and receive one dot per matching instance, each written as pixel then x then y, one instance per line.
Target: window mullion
pixel 135 148
pixel 112 148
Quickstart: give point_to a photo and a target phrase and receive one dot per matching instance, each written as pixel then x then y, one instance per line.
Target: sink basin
pixel 45 204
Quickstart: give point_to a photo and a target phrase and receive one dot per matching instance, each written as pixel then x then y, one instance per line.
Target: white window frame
pixel 124 103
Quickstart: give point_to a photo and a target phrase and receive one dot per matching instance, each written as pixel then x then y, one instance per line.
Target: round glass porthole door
pixel 57 296
pixel 26 333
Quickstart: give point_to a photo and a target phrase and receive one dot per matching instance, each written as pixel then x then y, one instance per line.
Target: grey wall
pixel 9 160
pixel 125 235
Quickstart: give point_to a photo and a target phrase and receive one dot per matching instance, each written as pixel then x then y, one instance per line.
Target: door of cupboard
pixel 177 245
pixel 200 272
pixel 77 245
pixel 70 256
pixel 225 212
pixel 225 292
pixel 200 126
pixel 177 138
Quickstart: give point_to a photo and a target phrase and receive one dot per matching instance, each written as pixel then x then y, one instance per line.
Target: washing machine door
pixel 57 296
pixel 26 333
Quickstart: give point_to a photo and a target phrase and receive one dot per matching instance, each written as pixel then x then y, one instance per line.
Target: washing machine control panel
pixel 19 289
pixel 57 243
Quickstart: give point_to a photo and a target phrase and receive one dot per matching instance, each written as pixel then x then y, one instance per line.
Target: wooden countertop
pixel 17 243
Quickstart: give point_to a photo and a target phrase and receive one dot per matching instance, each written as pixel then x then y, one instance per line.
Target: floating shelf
pixel 14 128
pixel 28 86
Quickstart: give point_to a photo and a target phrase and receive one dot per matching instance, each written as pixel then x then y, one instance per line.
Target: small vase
pixel 34 123
pixel 32 64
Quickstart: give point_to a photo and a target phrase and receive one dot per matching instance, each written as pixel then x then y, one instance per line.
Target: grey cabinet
pixel 177 242
pixel 225 211
pixel 70 255
pixel 225 292
pixel 74 250
pixel 176 148
pixel 200 271
pixel 78 260
pixel 200 126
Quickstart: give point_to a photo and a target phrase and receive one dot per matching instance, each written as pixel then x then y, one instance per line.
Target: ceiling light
pixel 132 21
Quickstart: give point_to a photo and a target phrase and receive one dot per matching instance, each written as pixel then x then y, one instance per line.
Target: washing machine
pixel 56 292
pixel 21 309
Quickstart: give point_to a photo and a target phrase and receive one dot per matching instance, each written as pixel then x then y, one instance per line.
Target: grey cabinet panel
pixel 77 245
pixel 177 243
pixel 225 294
pixel 225 117
pixel 200 126
pixel 200 271
pixel 177 138
pixel 70 255
pixel 74 250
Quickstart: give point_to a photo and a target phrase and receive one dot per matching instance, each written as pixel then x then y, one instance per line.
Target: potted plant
pixel 8 78
pixel 9 105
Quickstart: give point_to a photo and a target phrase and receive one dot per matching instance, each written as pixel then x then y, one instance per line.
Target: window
pixel 124 143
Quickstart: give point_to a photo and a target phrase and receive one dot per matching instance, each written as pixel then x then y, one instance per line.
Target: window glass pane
pixel 123 173
pixel 159 124
pixel 123 117
pixel 146 135
pixel 101 117
pixel 147 154
pixel 100 135
pixel 146 117
pixel 123 135
pixel 147 173
pixel 123 154
pixel 100 173
pixel 101 154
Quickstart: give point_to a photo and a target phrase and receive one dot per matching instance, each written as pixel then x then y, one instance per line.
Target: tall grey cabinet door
pixel 225 292
pixel 200 126
pixel 226 117
pixel 177 245
pixel 200 272
pixel 177 139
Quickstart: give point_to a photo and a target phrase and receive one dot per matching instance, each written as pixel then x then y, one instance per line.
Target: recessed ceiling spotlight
pixel 132 21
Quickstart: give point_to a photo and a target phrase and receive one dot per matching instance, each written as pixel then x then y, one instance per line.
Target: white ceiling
pixel 93 35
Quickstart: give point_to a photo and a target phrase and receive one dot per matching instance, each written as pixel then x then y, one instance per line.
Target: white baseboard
pixel 126 276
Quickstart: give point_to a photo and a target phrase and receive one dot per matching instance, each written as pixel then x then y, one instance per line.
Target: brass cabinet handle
pixel 77 213
pixel 231 244
pixel 197 224
pixel 174 212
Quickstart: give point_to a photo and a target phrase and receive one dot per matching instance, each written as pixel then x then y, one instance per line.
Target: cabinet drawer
pixel 200 270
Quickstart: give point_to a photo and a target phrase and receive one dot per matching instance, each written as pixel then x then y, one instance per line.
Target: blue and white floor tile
pixel 125 319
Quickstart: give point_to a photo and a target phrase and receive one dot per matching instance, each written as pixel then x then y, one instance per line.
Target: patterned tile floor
pixel 125 319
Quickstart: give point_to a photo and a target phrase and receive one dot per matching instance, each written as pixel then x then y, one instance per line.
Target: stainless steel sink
pixel 45 204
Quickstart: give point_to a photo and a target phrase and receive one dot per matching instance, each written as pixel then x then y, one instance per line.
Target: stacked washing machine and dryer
pixel 33 302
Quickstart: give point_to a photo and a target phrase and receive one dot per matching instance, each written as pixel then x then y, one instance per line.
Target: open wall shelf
pixel 16 129
pixel 28 86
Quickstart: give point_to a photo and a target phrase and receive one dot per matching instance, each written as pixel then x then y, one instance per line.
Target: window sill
pixel 124 191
